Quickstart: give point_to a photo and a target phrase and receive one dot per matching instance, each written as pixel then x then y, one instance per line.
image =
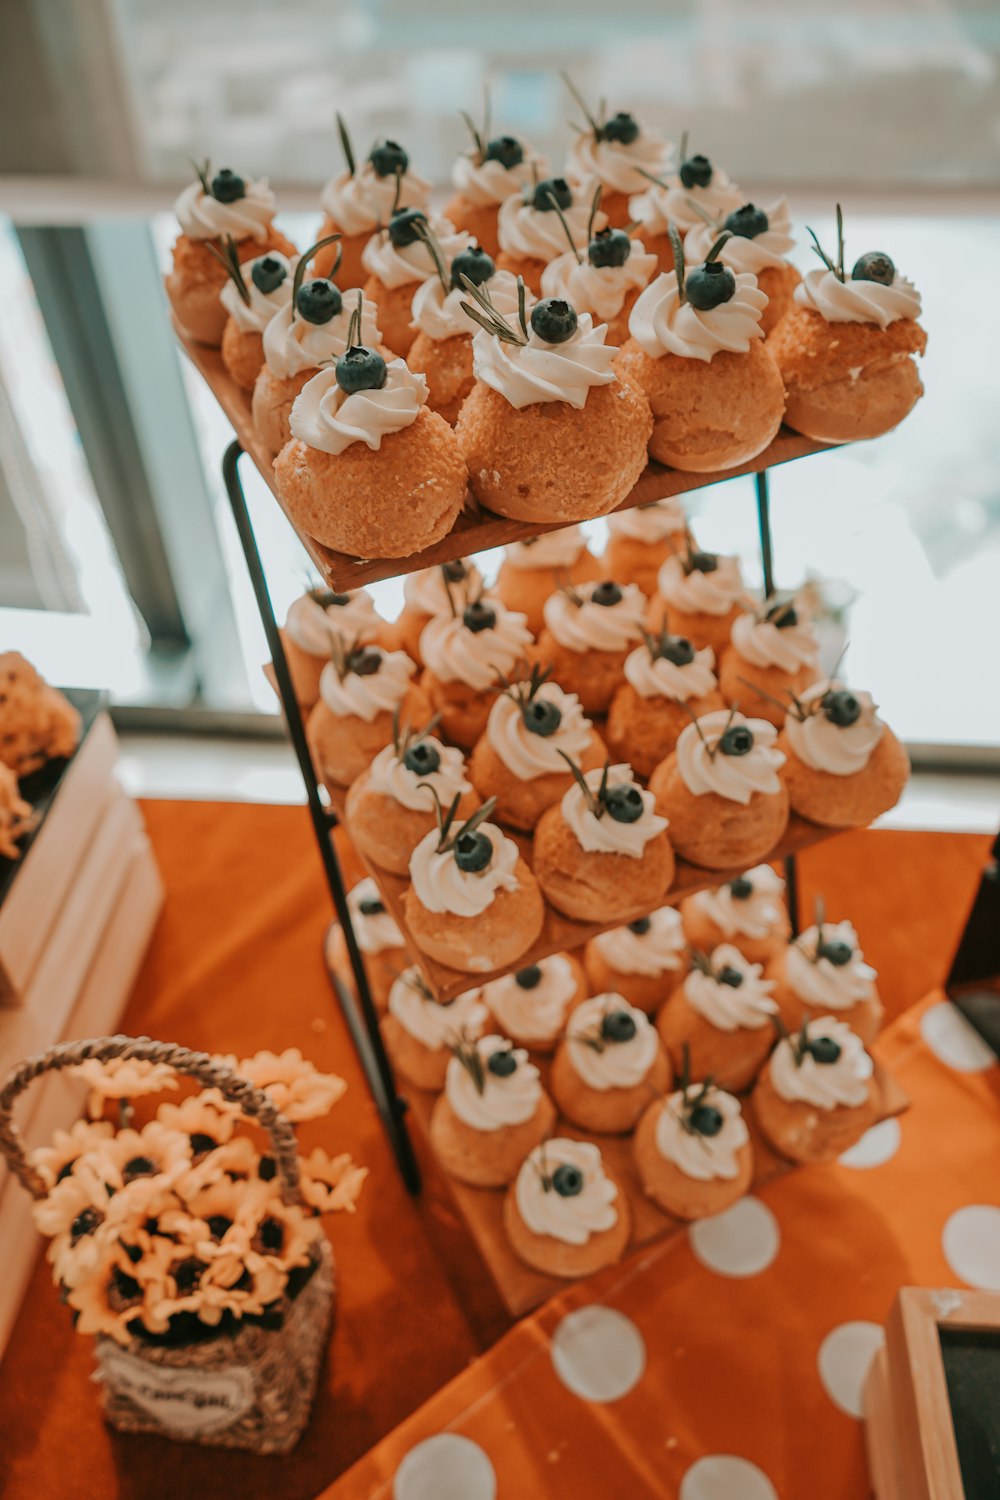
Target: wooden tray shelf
pixel 522 1288
pixel 560 934
pixel 476 529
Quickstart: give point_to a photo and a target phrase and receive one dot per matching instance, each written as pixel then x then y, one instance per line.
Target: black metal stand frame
pixel 360 1013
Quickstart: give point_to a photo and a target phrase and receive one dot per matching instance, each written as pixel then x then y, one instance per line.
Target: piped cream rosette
pixel 327 418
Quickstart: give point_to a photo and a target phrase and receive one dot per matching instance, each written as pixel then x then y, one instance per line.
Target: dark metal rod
pixel 364 1028
pixel 764 526
pixel 792 893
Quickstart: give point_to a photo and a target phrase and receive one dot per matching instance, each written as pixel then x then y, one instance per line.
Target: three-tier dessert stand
pixel 474 531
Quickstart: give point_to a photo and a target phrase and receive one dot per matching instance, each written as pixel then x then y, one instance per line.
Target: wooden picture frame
pixel 910 1434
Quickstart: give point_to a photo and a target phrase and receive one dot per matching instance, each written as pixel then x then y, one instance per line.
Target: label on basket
pixel 189 1402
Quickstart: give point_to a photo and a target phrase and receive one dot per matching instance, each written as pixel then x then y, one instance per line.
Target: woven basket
pixel 250 1389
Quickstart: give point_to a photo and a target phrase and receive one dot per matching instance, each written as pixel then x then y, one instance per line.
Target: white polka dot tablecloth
pixel 730 1362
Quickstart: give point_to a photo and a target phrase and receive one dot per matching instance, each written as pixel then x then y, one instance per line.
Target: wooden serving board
pixel 475 529
pixel 559 934
pixel 522 1288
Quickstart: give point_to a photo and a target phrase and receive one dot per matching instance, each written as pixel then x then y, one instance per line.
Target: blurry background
pixel 118 562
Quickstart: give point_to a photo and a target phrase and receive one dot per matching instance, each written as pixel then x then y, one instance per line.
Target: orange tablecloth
pixel 727 1363
pixel 236 965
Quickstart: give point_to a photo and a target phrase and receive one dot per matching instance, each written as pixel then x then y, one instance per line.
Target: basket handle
pixel 252 1102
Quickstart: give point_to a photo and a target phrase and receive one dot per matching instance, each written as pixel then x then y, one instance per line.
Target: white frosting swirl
pixel 858 301
pixel 454 653
pixel 548 550
pixel 527 755
pixel 595 627
pixel 663 679
pixel 537 234
pixel 649 953
pixel 509 1100
pixel 703 1157
pixel 748 1006
pixel 203 217
pixel 364 202
pixel 367 697
pixel 660 207
pixel 765 644
pixel 377 932
pixel 399 265
pixel 824 985
pixel 291 344
pixel 610 1065
pixel 841 750
pixel 328 419
pixel 532 373
pixel 430 593
pixel 434 1025
pixel 824 1085
pixel 598 290
pixel 615 164
pixel 662 324
pixel 649 523
pixel 754 916
pixel 439 314
pixel 571 1220
pixel 538 1014
pixel 313 627
pixel 603 835
pixel 761 253
pixel 697 593
pixel 391 778
pixel 254 316
pixel 735 777
pixel 440 885
pixel 483 183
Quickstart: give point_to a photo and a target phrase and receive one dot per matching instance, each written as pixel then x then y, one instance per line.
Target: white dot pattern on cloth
pixel 723 1476
pixel 598 1353
pixel 953 1041
pixel 875 1147
pixel 971 1244
pixel 844 1357
pixel 742 1241
pixel 445 1467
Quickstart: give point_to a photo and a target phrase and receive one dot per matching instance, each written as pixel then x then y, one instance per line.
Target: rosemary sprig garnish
pixel 354 323
pixel 345 145
pixel 677 247
pixel 596 125
pixel 794 706
pixel 525 689
pixel 652 177
pixel 343 653
pixel 725 235
pixel 445 820
pixel 229 259
pixel 704 215
pixel 522 317
pixel 481 138
pixel 595 207
pixel 201 172
pixel 596 801
pixel 405 736
pixel 423 231
pixel 567 587
pixel 466 1050
pixel 306 257
pixel 554 202
pixel 838 268
pixel 710 750
pixel 482 310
